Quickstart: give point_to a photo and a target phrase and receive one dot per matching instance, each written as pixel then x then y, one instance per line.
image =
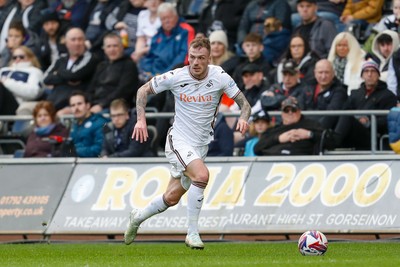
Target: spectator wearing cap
pixel 355 131
pixel 325 92
pixel 254 84
pixel 297 135
pixel 290 86
pixel 219 47
pixel 253 47
pixel 259 124
pixel 51 40
pixel 275 39
pixel 318 31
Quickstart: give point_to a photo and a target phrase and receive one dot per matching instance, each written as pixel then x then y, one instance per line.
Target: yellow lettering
pixel 372 185
pixel 349 172
pixel 231 192
pixel 152 183
pixel 118 183
pixel 274 195
pixel 317 173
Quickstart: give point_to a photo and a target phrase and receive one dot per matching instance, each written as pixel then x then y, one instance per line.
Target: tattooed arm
pixel 242 125
pixel 140 130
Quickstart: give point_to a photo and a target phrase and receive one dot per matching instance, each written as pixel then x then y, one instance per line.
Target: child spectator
pixel 253 47
pixel 258 126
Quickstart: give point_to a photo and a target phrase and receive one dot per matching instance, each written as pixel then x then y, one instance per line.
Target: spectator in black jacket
pixel 326 92
pixel 116 77
pixel 296 135
pixel 70 72
pixel 355 131
pixel 51 44
pixel 117 140
pixel 222 145
pixel 319 32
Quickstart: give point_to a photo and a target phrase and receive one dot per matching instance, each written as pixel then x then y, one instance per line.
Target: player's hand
pixel 242 126
pixel 140 132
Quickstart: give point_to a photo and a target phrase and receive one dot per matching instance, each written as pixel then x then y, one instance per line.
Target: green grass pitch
pixel 215 254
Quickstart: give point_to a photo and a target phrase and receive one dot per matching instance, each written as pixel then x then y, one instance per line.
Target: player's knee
pixel 201 178
pixel 171 198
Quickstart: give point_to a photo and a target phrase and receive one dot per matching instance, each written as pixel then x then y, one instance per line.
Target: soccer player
pixel 197 90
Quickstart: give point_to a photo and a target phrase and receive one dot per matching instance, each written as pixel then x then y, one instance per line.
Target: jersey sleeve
pixel 230 87
pixel 162 82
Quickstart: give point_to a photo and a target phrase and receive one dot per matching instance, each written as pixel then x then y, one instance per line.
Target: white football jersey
pixel 196 101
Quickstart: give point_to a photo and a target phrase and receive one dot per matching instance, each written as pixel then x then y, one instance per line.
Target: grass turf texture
pixel 215 254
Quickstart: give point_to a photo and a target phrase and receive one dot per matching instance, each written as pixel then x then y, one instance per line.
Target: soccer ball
pixel 313 243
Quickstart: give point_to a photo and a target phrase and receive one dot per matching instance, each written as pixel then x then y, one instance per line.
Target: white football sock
pixel 157 205
pixel 195 202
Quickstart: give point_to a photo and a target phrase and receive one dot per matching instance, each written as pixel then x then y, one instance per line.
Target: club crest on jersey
pixel 209 84
pixel 183 85
pixel 195 98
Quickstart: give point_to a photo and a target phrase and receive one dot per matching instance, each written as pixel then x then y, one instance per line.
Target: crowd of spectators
pixel 87 58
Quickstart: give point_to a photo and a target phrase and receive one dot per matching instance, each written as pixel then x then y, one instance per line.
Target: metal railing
pixel 372 114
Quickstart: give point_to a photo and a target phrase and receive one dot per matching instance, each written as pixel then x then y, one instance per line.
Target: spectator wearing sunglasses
pixel 21 83
pixel 296 135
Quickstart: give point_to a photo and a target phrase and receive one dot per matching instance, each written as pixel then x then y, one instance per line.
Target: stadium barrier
pixel 254 195
pixel 6 131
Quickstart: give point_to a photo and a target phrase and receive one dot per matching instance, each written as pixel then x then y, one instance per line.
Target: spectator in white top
pixel 147 26
pixel 21 83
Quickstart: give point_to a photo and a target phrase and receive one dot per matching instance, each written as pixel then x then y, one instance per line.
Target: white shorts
pixel 180 154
